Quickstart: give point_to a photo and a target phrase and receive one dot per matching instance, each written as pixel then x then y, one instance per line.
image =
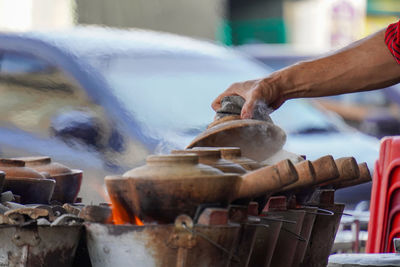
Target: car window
pixel 12 63
pixel 34 92
pixel 170 93
pixel 175 93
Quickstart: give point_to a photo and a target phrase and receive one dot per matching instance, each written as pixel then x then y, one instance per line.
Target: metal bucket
pixel 38 245
pixel 244 249
pixel 306 229
pixel 323 236
pixel 182 244
pixel 289 236
pixel 266 238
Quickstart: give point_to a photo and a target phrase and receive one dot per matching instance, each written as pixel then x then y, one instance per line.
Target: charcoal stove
pixel 289 232
pixel 180 244
pixel 34 246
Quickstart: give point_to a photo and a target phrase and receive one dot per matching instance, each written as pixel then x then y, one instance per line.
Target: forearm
pixel 364 65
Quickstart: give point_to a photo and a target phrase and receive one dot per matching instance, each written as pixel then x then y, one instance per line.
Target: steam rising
pixel 261 111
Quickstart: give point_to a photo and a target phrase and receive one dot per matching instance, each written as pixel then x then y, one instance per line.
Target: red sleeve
pixel 392 40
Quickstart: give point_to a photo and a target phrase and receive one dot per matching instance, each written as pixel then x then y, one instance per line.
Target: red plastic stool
pixel 385 182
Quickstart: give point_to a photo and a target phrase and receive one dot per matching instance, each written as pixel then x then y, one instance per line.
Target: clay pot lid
pixel 212 156
pixel 200 151
pixel 44 164
pixel 14 168
pixel 227 152
pixel 257 139
pixel 174 166
pixel 235 154
pixel 190 158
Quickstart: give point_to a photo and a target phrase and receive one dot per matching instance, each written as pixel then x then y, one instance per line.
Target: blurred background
pixel 313 25
pixel 276 32
pixel 92 87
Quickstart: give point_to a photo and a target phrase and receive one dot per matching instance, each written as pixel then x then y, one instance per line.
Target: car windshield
pixel 169 92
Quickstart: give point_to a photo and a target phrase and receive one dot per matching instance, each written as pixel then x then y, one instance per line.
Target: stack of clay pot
pixel 38 180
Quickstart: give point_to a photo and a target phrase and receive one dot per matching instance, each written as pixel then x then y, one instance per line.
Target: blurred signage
pixel 325 24
pixel 22 15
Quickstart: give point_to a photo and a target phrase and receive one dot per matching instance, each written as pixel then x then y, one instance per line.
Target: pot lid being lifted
pixel 257 139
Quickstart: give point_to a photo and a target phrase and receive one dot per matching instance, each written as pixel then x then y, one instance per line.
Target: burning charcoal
pixel 58 211
pixel 94 213
pixel 67 219
pixel 72 209
pixel 3 209
pixel 54 211
pixel 55 203
pixel 7 196
pixel 13 205
pixel 42 222
pixel 49 209
pixel 16 218
pixel 32 213
pixel 5 220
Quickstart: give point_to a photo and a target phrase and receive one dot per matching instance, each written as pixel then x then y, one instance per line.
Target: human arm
pixel 364 65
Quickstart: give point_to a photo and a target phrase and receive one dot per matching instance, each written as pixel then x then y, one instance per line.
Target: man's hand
pixel 253 91
pixel 364 65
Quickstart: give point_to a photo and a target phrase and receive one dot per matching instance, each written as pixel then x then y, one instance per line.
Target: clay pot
pixel 68 181
pixel 44 164
pixel 306 173
pixel 234 154
pixel 326 170
pixel 223 119
pixel 347 170
pixel 313 173
pixel 257 139
pixel 212 156
pixel 30 185
pixel 31 190
pixel 281 155
pixel 2 177
pixel 364 177
pixel 67 186
pixel 169 185
pixel 16 169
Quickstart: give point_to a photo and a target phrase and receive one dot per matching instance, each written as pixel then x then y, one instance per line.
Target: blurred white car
pixel 101 100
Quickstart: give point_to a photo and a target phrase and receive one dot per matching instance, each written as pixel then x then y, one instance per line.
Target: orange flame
pixel 120 216
pixel 138 221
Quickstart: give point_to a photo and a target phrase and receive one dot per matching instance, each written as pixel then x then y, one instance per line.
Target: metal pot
pixel 266 238
pixel 169 185
pixel 180 244
pixel 38 245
